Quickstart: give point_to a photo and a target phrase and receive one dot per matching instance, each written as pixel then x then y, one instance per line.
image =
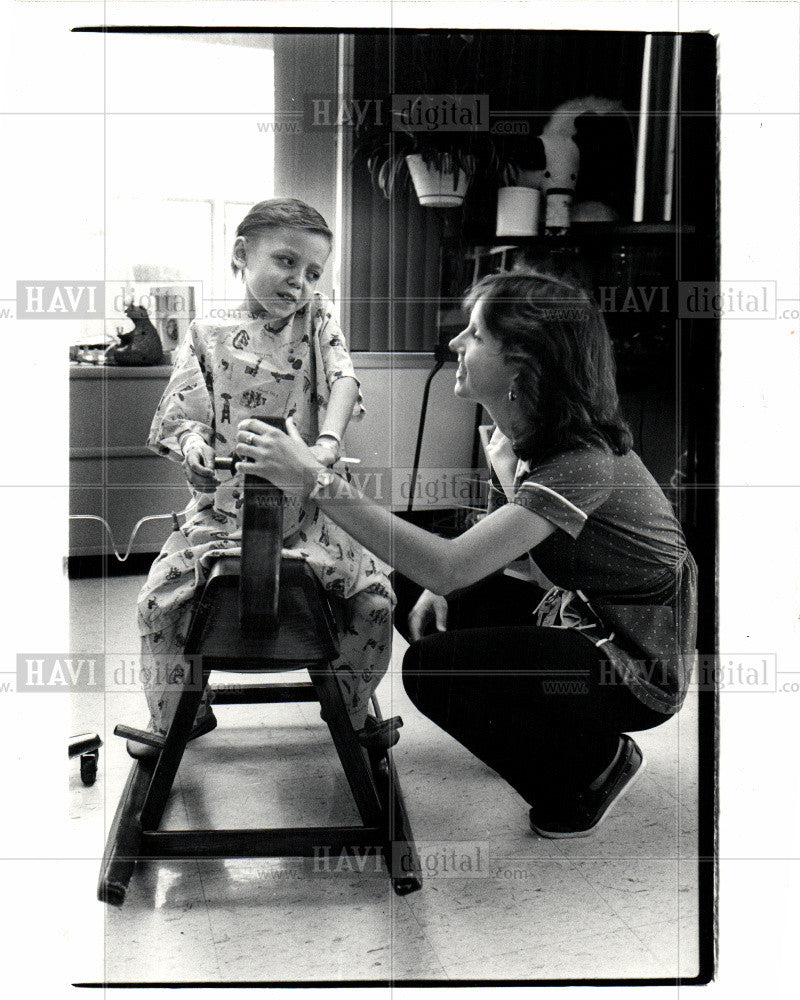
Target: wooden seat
pixel 262 613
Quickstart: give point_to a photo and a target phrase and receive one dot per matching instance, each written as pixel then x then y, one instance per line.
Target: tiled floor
pixel 620 904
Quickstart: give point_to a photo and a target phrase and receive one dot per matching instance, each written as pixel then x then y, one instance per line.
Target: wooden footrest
pixel 302 842
pixel 263 694
pixel 140 736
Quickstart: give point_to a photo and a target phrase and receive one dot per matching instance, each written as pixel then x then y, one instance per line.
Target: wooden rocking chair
pixel 261 613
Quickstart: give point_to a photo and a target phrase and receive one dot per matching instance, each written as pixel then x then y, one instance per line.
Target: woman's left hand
pixel 284 459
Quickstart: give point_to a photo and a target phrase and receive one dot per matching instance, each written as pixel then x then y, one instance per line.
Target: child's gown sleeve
pixel 341 564
pixel 187 403
pixel 332 357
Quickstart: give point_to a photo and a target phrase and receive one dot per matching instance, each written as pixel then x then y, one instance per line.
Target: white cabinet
pixel 112 473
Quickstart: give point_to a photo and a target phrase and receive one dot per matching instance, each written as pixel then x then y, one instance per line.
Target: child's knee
pixel 373 606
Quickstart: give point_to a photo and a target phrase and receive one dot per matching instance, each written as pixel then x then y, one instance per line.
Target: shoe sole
pixel 208 726
pixel 380 736
pixel 574 834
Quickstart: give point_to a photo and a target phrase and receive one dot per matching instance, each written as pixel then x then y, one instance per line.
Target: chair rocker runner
pixel 262 613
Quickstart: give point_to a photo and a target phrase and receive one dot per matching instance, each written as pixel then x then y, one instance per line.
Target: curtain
pixel 395 272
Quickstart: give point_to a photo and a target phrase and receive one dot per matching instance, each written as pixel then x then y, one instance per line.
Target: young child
pixel 281 354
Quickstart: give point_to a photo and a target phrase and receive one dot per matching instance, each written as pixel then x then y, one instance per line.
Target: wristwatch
pixel 323 480
pixel 333 444
pixel 330 434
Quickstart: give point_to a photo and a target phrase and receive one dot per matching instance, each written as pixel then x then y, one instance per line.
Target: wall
pixel 392 387
pixel 115 476
pixel 305 160
pixel 306 168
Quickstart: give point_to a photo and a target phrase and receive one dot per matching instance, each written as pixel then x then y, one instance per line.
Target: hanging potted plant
pixel 441 165
pixel 440 179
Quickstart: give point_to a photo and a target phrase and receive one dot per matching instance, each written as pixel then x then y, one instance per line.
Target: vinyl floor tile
pixel 612 954
pixel 546 905
pixel 620 903
pixel 162 934
pixel 675 945
pixel 288 921
pixel 645 892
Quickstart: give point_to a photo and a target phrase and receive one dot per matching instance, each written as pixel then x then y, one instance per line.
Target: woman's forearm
pixel 418 554
pixel 439 564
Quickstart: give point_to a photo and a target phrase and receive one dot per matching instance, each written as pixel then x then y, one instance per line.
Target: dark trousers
pixel 538 705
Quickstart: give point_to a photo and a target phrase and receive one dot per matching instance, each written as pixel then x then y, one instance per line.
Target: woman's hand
pixel 198 464
pixel 429 607
pixel 284 459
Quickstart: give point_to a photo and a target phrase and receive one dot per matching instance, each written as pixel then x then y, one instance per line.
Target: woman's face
pixel 483 375
pixel 282 268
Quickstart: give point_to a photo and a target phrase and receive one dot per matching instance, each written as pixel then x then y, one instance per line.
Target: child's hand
pixel 198 464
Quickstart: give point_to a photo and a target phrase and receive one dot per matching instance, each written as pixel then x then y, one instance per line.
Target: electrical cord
pixel 441 353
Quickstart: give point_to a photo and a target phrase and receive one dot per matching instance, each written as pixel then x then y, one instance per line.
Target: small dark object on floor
pixel 89 767
pixel 87 747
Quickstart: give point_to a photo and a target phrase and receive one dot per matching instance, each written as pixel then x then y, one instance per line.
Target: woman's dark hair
pixel 281 213
pixel 555 336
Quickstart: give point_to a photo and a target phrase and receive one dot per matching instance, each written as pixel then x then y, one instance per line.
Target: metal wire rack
pixel 142 520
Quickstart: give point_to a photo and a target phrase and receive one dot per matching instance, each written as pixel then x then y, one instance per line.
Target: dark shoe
pixel 583 814
pixel 380 736
pixel 141 751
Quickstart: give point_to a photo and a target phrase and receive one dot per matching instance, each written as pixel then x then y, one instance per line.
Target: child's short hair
pixel 281 213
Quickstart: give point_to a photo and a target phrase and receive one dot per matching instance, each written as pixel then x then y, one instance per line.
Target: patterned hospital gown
pixel 225 372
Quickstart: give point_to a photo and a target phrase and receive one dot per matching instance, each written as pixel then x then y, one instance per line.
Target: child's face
pixel 282 268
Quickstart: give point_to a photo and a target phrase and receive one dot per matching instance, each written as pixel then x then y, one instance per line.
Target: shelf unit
pixel 633 270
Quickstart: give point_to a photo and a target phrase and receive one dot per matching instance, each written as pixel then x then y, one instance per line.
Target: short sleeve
pixel 566 488
pixel 336 361
pixel 187 403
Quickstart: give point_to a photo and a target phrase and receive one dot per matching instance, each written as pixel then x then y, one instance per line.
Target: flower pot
pixel 517 211
pixel 436 188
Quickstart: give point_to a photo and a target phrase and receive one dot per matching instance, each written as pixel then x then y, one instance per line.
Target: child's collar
pixel 277 326
pixel 277 329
